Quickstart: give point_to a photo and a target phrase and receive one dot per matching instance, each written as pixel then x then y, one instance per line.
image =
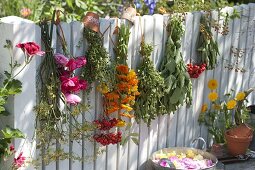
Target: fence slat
pixel 251 53
pixel 112 149
pixel 246 58
pixel 150 38
pixel 193 127
pixel 135 58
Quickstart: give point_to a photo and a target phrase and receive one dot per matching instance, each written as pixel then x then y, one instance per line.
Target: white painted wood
pixel 192 126
pixel 251 53
pixel 20 106
pixel 235 41
pixel 242 44
pixel 135 39
pixel 149 38
pixel 112 149
pixel 100 162
pixel 77 49
pixel 158 54
pixel 248 75
pixel 122 156
pixel 67 147
pixel 52 165
pixel 143 130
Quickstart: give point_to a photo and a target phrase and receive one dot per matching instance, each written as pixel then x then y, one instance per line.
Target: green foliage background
pixel 75 9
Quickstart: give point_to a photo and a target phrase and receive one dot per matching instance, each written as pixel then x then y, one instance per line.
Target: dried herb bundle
pixel 97 58
pixel 173 69
pixel 207 47
pixel 151 87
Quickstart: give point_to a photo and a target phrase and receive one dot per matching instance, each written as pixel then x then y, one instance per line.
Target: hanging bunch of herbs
pixel 208 49
pixel 97 67
pixel 178 87
pixel 151 87
pixel 119 96
pixel 59 104
pixel 48 111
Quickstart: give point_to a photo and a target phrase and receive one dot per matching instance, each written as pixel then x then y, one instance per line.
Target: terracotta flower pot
pixel 217 149
pixel 129 14
pixel 242 130
pixel 238 139
pixel 91 20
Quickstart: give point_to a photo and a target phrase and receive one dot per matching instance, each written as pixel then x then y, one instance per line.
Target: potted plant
pixel 238 138
pixel 226 119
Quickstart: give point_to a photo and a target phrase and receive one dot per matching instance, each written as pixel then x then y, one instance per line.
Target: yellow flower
pixel 134 88
pixel 204 108
pixel 121 123
pixel 213 96
pixel 126 107
pixel 103 88
pixel 190 154
pixel 127 115
pixel 216 107
pixel 162 10
pixel 173 153
pixel 212 84
pixel 240 96
pixel 131 75
pixel 231 104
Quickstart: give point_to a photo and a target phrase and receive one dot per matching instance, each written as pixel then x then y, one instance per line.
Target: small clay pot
pixel 129 14
pixel 218 149
pixel 237 145
pixel 91 20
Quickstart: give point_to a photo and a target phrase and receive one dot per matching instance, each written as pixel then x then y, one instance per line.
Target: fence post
pixel 19 30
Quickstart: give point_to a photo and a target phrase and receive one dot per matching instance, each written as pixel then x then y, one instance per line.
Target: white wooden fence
pixel 175 129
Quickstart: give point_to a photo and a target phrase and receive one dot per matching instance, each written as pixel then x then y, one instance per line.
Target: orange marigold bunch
pixel 122 97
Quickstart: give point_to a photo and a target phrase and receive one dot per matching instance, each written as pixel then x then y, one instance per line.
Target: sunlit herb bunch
pixel 151 87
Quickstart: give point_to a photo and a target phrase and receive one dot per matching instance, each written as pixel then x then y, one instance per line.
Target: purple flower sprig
pixel 151 4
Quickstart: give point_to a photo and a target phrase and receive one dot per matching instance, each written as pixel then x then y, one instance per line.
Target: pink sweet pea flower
pixel 83 84
pixel 72 99
pixel 71 65
pixel 19 161
pixel 12 148
pixel 80 61
pixel 76 63
pixel 61 59
pixel 30 49
pixel 70 84
pixel 64 73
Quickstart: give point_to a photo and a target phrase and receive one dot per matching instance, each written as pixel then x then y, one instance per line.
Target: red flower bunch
pixel 71 85
pixel 76 63
pixel 30 49
pixel 107 139
pixel 195 70
pixel 105 124
pixel 19 161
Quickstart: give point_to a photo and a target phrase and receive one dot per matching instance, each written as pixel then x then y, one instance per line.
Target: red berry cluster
pixel 105 124
pixel 107 139
pixel 195 70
